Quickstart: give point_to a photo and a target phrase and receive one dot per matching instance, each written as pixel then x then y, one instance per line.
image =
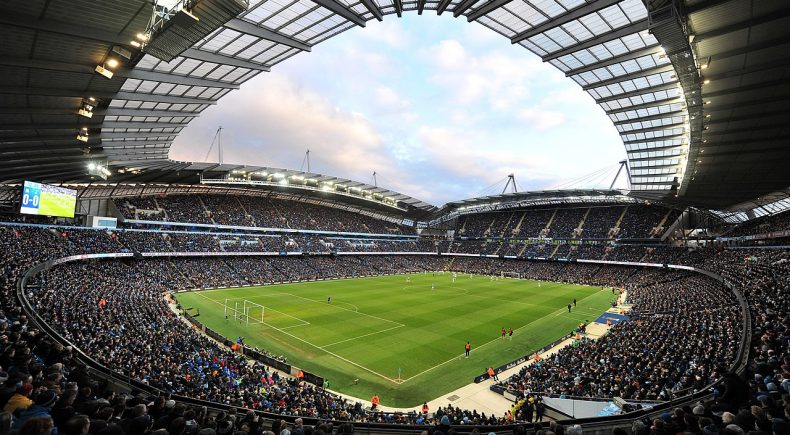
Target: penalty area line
pixel 394 381
pixel 362 336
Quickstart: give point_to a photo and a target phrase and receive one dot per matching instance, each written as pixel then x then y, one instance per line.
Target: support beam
pixel 135 135
pixel 755 115
pixel 420 6
pixel 661 69
pixel 638 92
pixel 39 111
pixel 442 6
pixel 49 65
pixel 341 10
pixel 463 7
pixel 75 29
pixel 253 29
pixel 648 159
pixel 77 93
pixel 658 148
pixel 713 108
pixel 647 51
pixel 749 48
pixel 486 8
pixel 398 7
pixel 672 136
pixel 221 59
pixel 374 9
pixel 743 24
pixel 141 74
pixel 650 118
pixel 117 111
pixel 671 100
pixel 766 66
pixel 573 14
pixel 658 128
pixel 759 85
pixel 635 27
pixel 133 96
pixel 120 143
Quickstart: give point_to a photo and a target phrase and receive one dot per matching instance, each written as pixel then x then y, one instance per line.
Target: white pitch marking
pixel 362 336
pixel 482 345
pixel 394 381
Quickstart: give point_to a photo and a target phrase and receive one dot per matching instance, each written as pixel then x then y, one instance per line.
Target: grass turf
pixel 402 341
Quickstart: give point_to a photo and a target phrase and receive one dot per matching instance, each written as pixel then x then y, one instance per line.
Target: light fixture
pixel 91 166
pixel 704 66
pixel 135 44
pixel 707 102
pixel 142 36
pixel 86 110
pixel 111 63
pixel 104 71
pixel 706 81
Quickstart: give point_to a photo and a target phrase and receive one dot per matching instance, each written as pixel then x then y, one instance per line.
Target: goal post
pixel 244 311
pixel 514 275
pixel 254 311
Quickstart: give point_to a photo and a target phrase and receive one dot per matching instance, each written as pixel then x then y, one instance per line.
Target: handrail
pixel 738 366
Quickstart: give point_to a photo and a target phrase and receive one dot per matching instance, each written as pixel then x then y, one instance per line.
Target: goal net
pixel 514 275
pixel 244 311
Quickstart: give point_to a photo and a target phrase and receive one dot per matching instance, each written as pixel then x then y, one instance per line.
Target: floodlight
pixel 104 71
pixel 111 63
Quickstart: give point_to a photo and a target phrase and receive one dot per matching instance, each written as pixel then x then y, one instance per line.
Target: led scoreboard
pixel 43 199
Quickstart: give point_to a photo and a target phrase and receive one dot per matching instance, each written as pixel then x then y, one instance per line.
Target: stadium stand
pixel 656 296
pixel 258 211
pixel 93 98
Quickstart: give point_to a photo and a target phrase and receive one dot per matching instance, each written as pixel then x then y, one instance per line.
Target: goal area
pixel 244 311
pixel 514 275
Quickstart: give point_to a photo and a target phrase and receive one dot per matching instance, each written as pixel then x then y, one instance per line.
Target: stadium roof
pixel 634 58
pixel 542 197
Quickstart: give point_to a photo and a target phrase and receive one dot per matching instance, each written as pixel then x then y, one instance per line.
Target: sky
pixel 439 108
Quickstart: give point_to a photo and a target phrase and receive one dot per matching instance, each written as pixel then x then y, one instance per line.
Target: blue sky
pixel 440 108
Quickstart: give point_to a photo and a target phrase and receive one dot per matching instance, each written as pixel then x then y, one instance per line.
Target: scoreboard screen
pixel 46 200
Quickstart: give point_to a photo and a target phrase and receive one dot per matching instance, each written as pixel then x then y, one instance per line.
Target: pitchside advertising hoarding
pixel 46 200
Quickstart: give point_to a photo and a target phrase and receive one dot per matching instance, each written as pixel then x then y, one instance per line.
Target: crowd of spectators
pixel 763 225
pixel 683 334
pixel 645 221
pixel 257 211
pixel 598 222
pixel 565 221
pixel 643 359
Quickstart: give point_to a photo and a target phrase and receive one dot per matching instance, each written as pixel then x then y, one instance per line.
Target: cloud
pixel 499 78
pixel 541 119
pixel 275 121
pixel 389 100
pixel 469 156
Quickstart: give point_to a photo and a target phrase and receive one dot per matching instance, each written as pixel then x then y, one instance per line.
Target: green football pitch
pixel 401 340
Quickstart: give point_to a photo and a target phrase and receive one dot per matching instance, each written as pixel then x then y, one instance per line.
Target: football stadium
pixel 144 292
